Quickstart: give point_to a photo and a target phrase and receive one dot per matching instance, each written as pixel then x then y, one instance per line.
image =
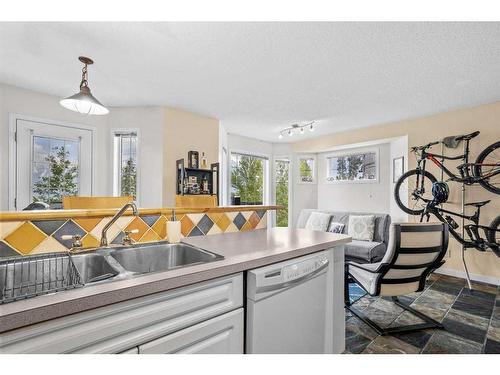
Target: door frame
pixel 13 117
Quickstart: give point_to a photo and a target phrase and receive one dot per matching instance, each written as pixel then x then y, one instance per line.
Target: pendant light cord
pixel 84 82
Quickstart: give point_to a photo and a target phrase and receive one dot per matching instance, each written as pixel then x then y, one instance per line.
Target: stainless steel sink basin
pixel 161 257
pixel 93 267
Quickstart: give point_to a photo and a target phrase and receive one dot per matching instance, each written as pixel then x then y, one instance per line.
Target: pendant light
pixel 84 102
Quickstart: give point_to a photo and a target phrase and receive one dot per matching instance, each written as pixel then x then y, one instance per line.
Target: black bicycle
pixel 417 183
pixel 491 237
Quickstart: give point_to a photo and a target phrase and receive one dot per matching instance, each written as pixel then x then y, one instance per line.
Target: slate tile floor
pixel 471 320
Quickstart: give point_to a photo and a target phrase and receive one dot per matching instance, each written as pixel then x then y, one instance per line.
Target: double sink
pixel 126 261
pixel 31 277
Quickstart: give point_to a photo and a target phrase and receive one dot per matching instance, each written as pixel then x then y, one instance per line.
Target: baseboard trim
pixel 473 276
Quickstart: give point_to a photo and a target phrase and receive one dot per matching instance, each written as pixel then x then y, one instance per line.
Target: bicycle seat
pixel 478 204
pixel 454 140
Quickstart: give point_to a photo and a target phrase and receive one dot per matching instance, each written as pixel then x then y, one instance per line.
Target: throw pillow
pixel 361 228
pixel 318 221
pixel 335 227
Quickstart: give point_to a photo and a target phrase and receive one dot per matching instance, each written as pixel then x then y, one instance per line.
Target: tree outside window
pixel 282 180
pixel 247 178
pixel 352 167
pixel 306 170
pixel 125 179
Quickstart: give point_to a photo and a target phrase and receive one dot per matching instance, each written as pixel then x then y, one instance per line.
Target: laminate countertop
pixel 241 251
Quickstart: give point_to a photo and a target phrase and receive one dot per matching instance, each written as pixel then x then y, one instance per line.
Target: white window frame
pixel 267 173
pixel 114 162
pixel 290 186
pixel 224 181
pixel 376 151
pixel 13 118
pixel 314 169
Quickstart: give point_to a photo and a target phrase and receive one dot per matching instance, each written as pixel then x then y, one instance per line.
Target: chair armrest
pixel 360 266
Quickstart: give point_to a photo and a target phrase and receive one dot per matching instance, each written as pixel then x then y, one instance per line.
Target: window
pixel 306 170
pixel 223 178
pixel 50 160
pixel 54 169
pixel 125 164
pixel 282 170
pixel 248 178
pixel 354 167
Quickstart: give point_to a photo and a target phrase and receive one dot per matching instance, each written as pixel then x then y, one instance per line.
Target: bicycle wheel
pixel 493 236
pixel 488 162
pixel 406 186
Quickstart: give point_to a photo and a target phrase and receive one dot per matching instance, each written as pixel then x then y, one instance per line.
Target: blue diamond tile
pixel 261 213
pixel 205 224
pixel 118 239
pixel 6 250
pixel 70 228
pixel 150 219
pixel 239 220
pixel 48 226
pixel 195 232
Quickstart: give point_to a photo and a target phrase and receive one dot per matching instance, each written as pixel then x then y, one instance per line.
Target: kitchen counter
pixel 242 251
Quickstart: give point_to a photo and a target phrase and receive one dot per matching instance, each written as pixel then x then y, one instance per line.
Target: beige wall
pixel 485 118
pixel 184 132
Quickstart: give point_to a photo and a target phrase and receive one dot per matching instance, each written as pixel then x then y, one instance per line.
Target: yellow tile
pixel 246 227
pixel 231 228
pixel 160 227
pixel 124 221
pixel 195 218
pixel 137 223
pixel 49 245
pixel 214 230
pixel 215 216
pixel 150 236
pixel 7 227
pixel 96 232
pixel 186 225
pixel 90 241
pixel 88 224
pixel 223 222
pixel 25 238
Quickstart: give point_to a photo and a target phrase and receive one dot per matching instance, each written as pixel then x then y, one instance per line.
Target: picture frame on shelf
pixel 398 168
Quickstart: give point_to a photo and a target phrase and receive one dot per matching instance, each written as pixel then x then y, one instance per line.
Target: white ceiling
pixel 260 77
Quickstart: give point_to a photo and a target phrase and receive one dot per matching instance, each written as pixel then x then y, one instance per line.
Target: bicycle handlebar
pixel 420 148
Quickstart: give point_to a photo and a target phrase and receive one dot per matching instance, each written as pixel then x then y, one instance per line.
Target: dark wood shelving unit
pixel 212 174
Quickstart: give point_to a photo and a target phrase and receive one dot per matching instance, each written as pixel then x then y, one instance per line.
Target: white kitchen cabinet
pixel 118 327
pixel 220 335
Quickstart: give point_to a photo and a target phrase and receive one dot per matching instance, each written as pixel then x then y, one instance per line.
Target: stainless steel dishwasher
pixel 289 306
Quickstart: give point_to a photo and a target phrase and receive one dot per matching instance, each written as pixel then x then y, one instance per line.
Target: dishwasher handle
pixel 298 280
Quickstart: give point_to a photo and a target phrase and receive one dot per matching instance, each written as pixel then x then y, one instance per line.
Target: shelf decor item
pixel 204 162
pixel 196 181
pixel 193 159
pixel 397 168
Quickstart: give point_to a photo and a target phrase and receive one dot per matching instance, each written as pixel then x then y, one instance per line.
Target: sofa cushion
pixel 318 221
pixel 361 227
pixel 365 251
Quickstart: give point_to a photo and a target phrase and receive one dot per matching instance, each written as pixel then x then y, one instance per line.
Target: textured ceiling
pixel 260 77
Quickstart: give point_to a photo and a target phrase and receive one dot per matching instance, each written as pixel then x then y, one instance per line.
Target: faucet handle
pixel 127 240
pixel 77 240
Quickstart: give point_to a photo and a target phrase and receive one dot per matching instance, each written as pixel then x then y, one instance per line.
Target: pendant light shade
pixel 84 102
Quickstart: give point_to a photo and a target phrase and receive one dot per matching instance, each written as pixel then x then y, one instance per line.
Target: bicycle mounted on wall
pixel 485 172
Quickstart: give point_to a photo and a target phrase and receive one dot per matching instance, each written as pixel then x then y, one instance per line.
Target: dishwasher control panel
pixel 301 269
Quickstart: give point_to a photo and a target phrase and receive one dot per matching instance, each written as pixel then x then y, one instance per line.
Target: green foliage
pixel 282 176
pixel 349 167
pixel 306 173
pixel 129 179
pixel 61 181
pixel 247 179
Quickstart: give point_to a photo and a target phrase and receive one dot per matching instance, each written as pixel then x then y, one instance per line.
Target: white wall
pixel 46 107
pixel 363 197
pixel 398 147
pixel 149 123
pixel 148 120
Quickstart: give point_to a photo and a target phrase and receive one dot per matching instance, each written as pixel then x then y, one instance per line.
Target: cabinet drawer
pixel 220 335
pixel 118 327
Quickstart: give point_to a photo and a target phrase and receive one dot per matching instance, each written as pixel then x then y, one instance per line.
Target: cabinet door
pixel 219 335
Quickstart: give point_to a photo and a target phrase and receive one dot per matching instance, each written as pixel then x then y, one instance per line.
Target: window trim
pixel 267 173
pixel 114 162
pixel 314 169
pixel 12 164
pixel 353 152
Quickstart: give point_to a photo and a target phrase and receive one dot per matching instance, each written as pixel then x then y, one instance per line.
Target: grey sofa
pixel 358 251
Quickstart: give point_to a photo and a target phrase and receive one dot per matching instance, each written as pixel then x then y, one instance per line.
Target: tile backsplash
pixel 44 236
